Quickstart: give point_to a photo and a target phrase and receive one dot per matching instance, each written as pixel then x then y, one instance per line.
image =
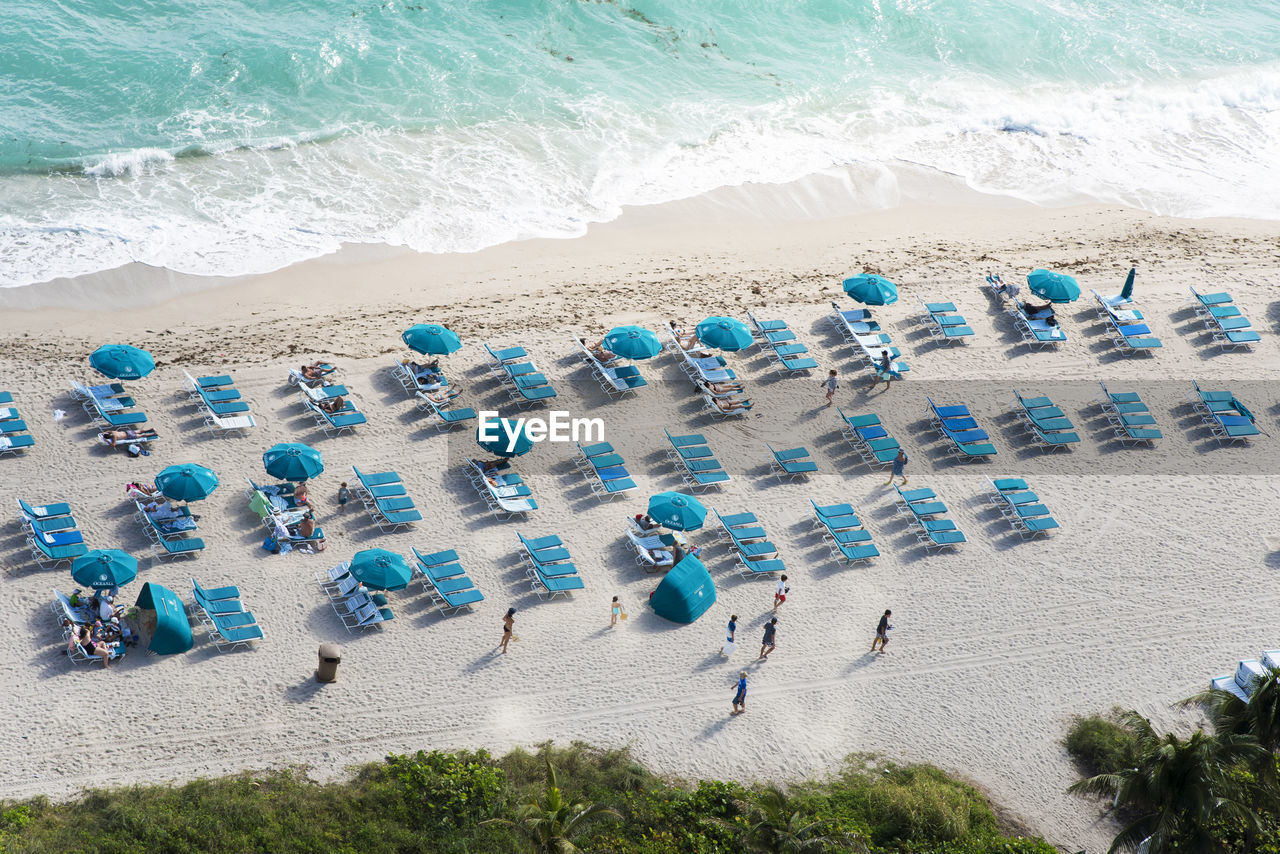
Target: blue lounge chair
pixel 1227 418
pixel 446 417
pixel 695 462
pixel 791 463
pixel 846 537
pixel 955 424
pixel 45 511
pixel 944 322
pixel 1125 324
pixel 1225 323
pixel 1021 508
pixel 1047 425
pixel 868 438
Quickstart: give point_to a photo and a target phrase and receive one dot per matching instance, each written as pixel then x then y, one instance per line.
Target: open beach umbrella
pixel 677 511
pixel 1055 287
pixel 431 339
pixel 1126 292
pixel 380 569
pixel 122 362
pixel 724 333
pixel 870 289
pixel 632 342
pixel 292 461
pixel 187 482
pixel 103 569
pixel 501 432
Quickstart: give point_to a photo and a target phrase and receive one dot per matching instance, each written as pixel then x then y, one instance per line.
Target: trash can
pixel 330 655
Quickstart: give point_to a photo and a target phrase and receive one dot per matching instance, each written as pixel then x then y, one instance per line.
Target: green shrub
pixel 1102 745
pixel 449 789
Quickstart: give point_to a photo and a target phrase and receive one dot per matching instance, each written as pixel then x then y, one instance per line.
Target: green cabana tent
pixel 173 631
pixel 686 593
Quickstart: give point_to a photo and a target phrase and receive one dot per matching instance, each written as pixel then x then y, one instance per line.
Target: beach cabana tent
pixel 173 631
pixel 686 593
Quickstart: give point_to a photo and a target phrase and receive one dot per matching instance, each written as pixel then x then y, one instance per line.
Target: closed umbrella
pixel 103 569
pixel 292 461
pixel 122 362
pixel 504 437
pixel 871 289
pixel 1126 293
pixel 380 569
pixel 724 333
pixel 677 511
pixel 1055 287
pixel 187 482
pixel 431 339
pixel 632 342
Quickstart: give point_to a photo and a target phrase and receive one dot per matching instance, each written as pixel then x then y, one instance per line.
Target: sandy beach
pixel 1158 578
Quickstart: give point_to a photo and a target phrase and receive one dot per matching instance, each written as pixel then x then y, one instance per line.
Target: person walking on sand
pixel 729 636
pixel 780 595
pixel 508 622
pixel 882 633
pixel 770 638
pixel 615 611
pixel 899 464
pixel 740 698
pixel 830 385
pixel 883 371
pixel 344 495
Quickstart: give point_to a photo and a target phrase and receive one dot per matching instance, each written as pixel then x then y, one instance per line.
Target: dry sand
pixel 1159 578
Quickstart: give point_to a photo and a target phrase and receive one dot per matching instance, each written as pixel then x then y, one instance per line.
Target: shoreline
pixel 999 644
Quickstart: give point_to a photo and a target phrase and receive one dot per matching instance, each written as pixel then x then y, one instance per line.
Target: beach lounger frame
pixel 616 380
pixel 1122 425
pixel 1224 321
pixel 1129 343
pixel 1021 508
pixel 944 322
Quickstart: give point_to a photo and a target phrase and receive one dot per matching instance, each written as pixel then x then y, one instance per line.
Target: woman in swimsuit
pixel 507 623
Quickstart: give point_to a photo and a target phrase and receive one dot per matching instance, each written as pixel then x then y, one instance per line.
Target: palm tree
pixel 1179 788
pixel 549 823
pixel 1259 717
pixel 773 827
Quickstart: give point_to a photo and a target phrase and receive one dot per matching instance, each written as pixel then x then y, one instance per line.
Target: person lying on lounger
pixel 645 522
pixel 141 490
pixel 316 370
pixel 598 351
pixel 1038 312
pixel 332 405
pixel 721 388
pixel 162 511
pixel 686 340
pixel 83 637
pixel 725 404
pixel 427 375
pixel 442 397
pixel 114 437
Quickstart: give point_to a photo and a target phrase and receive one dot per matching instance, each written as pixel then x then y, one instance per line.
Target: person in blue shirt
pixel 740 698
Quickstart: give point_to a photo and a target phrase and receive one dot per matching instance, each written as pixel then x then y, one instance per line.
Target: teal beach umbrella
pixel 380 569
pixel 292 461
pixel 871 289
pixel 122 362
pixel 632 342
pixel 103 569
pixel 1126 293
pixel 504 437
pixel 724 333
pixel 431 339
pixel 677 511
pixel 1055 287
pixel 187 482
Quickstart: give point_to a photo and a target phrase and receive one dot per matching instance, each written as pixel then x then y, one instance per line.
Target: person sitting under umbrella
pixel 598 351
pixel 688 341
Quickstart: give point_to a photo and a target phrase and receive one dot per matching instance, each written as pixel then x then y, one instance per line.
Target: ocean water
pixel 225 137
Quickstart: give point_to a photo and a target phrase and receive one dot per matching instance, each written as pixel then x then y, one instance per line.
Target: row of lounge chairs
pixel 604 469
pixel 1021 507
pixel 706 370
pixel 868 438
pixel 845 535
pixel 168 528
pixel 431 391
pixel 1248 676
pixel 616 379
pixel 756 556
pixel 868 340
pixel 14 437
pixel 1038 325
pixel 503 490
pixel 791 463
pixel 1129 417
pixel 955 423
pixel 1223 320
pixel 445 581
pixel 944 322
pixel 385 500
pixel 927 516
pixel 786 353
pixel 695 462
pixel 51 532
pixel 1125 324
pixel 653 549
pixel 549 566
pixel 515 370
pixel 224 412
pixel 357 608
pixel 1048 425
pixel 108 405
pixel 222 613
pixel 1227 418
pixel 313 393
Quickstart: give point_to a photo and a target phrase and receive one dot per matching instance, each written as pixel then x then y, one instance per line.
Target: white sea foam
pixel 1195 148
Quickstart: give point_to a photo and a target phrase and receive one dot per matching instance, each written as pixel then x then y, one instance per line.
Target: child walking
pixel 344 495
pixel 615 611
pixel 830 385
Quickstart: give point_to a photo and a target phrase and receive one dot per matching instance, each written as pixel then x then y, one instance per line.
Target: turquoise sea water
pixel 221 136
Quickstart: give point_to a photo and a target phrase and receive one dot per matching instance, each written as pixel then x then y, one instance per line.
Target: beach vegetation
pixel 1102 744
pixel 560 799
